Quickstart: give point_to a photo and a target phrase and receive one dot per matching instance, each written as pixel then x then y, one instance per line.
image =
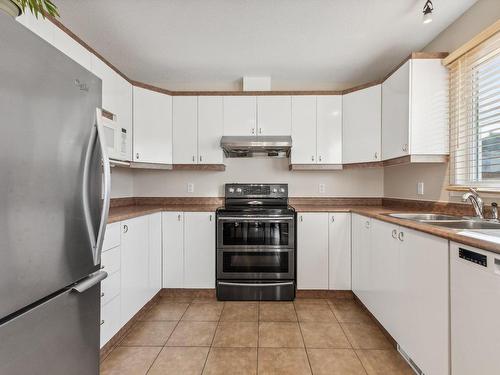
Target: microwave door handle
pixel 97 136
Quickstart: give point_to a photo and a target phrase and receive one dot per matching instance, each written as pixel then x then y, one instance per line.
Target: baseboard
pixel 326 294
pixel 187 293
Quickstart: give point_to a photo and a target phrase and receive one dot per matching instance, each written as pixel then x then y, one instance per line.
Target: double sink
pixel 448 221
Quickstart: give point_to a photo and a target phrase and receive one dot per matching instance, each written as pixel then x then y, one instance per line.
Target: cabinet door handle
pixel 102 321
pixel 179 217
pixel 194 158
pixel 320 158
pixel 394 233
pixel 312 158
pixel 301 218
pixel 401 236
pixel 210 217
pixel 253 130
pixel 376 155
pixel 201 159
pixel 137 155
pixel 405 147
pixel 125 228
pixel 367 224
pixel 102 294
pixel 333 219
pixel 260 130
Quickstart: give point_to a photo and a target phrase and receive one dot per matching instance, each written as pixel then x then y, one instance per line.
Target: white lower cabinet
pixel 401 275
pixel 312 250
pixel 110 319
pixel 155 254
pixel 199 250
pixel 339 251
pixel 173 249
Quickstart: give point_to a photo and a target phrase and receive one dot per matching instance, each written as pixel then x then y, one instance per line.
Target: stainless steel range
pixel 256 239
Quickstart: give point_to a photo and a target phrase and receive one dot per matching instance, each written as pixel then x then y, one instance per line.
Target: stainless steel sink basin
pixel 425 217
pixel 466 224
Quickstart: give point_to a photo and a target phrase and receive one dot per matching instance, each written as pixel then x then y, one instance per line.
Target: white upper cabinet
pixel 329 129
pixel 240 115
pixel 152 127
pixel 312 250
pixel 116 98
pixel 362 125
pixel 339 250
pixel 303 129
pixel 395 113
pixel 185 129
pixel 415 110
pixel 210 129
pixel 274 115
pixel 199 250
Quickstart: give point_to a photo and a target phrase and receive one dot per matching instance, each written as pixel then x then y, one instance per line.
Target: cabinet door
pixel 155 253
pixel 240 115
pixel 362 125
pixel 385 275
pixel 274 115
pixel 424 300
pixel 329 129
pixel 185 129
pixel 339 250
pixel 135 265
pixel 303 130
pixel 173 249
pixel 199 250
pixel 395 113
pixel 210 129
pixel 361 258
pixel 312 251
pixel 429 107
pixel 152 127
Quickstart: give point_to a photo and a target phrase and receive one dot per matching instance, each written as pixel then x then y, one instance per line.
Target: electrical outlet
pixel 420 188
pixel 190 187
pixel 321 188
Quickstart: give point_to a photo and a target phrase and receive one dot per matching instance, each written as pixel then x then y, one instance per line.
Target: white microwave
pixel 116 137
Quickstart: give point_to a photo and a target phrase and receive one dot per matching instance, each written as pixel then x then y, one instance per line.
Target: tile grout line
pixel 168 338
pixel 213 338
pixel 302 335
pixel 350 343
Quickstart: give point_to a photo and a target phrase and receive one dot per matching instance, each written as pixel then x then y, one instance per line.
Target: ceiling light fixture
pixel 427 11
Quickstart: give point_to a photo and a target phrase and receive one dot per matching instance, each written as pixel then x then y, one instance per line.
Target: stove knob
pixel 282 190
pixel 238 190
pixel 231 190
pixel 275 190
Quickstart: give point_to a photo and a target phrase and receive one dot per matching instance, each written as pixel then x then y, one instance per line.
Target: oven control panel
pixel 256 190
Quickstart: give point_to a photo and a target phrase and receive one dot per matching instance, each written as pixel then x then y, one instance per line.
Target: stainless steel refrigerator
pixel 53 208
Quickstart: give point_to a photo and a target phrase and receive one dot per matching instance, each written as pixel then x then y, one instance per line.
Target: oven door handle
pixel 255 284
pixel 256 218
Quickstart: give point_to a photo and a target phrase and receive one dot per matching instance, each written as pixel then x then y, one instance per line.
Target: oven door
pixel 255 232
pixel 272 264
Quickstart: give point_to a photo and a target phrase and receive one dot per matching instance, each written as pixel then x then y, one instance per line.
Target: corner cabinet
pixel 361 125
pixel 401 276
pixel 152 127
pixel 415 110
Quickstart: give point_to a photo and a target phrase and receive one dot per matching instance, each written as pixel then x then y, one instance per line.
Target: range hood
pixel 250 146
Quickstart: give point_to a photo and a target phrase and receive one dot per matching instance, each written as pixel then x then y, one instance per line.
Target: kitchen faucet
pixel 476 201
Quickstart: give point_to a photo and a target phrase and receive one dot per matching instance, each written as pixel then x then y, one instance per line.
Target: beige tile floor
pixel 308 336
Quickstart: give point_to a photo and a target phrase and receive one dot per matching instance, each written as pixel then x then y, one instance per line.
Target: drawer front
pixel 110 288
pixel 110 320
pixel 110 260
pixel 112 237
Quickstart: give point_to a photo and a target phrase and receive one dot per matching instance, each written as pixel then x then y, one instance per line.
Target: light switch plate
pixel 190 187
pixel 420 188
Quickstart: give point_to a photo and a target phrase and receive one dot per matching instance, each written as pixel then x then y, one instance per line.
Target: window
pixel 475 116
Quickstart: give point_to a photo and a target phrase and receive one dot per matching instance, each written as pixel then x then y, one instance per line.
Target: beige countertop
pixel 376 212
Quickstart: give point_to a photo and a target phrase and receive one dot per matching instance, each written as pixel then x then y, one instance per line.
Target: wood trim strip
pixel 474 42
pixel 315 167
pixel 362 87
pixel 416 56
pixel 256 93
pixel 151 87
pixel 371 164
pixel 199 167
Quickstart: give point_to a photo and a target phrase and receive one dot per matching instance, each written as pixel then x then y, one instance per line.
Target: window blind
pixel 475 116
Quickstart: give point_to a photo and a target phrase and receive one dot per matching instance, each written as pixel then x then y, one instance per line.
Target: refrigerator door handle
pixel 97 134
pixel 90 281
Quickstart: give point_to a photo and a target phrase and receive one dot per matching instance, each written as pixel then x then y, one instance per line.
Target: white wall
pixel 122 183
pixel 348 183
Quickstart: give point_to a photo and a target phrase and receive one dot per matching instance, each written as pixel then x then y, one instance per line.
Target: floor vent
pixel 412 364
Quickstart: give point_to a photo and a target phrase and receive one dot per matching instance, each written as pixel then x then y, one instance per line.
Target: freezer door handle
pixel 90 281
pixel 97 136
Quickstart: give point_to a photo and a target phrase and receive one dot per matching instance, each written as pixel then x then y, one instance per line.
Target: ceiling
pixel 301 44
